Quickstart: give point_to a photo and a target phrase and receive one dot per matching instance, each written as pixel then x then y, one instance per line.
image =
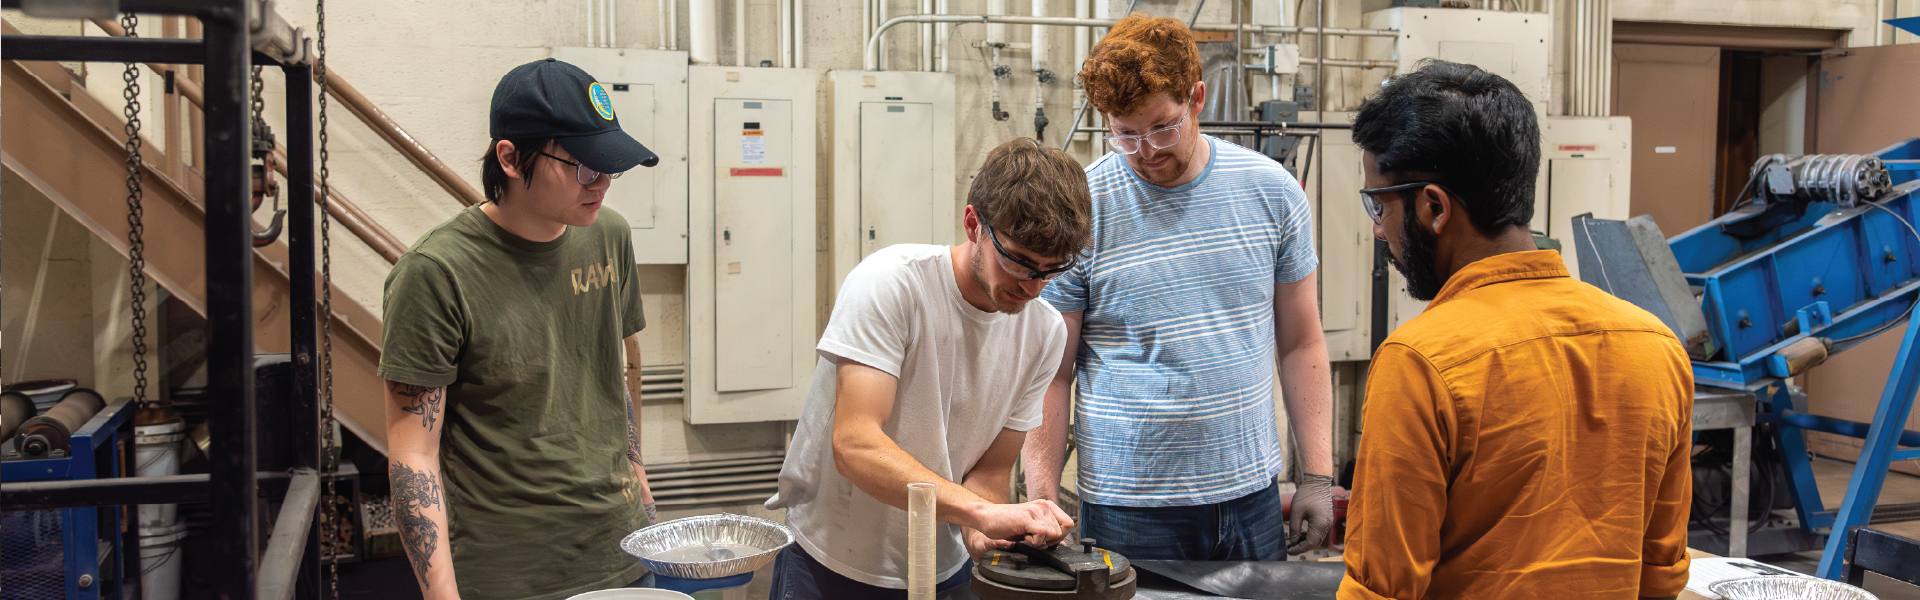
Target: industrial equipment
pixel 1819 254
pixel 649 93
pixel 1077 571
pixel 893 162
pixel 751 251
pixel 74 553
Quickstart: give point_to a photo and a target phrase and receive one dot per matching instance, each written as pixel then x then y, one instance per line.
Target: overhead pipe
pixel 666 22
pixel 740 33
pixel 871 61
pixel 940 36
pixel 786 33
pixel 703 31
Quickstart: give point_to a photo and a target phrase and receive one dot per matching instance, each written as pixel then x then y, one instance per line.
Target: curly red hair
pixel 1141 56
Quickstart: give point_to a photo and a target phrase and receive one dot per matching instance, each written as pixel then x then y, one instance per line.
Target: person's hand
pixel 978 543
pixel 1041 522
pixel 1312 514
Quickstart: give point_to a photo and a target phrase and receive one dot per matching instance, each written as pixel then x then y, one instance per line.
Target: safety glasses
pixel 1374 204
pixel 1015 269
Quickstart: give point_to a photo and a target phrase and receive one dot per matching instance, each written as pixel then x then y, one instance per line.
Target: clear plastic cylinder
pixel 921 547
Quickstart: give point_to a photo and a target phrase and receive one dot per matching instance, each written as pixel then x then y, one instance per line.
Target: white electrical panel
pixel 750 288
pixel 1345 237
pixel 649 93
pixel 893 162
pixel 1585 166
pixel 1509 44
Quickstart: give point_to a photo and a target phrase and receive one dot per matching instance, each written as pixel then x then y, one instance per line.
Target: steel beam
pixel 229 269
pixel 292 532
pixel 103 49
pixel 302 319
pixel 122 491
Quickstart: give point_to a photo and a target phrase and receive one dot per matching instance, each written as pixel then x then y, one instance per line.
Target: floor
pixel 1832 476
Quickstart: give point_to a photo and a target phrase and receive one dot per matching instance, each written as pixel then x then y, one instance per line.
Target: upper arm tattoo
pixel 421 400
pixel 414 492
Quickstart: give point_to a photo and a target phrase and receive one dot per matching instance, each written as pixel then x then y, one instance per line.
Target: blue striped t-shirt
pixel 1176 357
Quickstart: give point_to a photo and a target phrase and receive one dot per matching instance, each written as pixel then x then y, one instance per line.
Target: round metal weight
pixel 1079 571
pixel 1121 587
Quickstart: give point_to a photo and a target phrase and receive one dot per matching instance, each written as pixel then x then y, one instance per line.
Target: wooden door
pixel 1672 93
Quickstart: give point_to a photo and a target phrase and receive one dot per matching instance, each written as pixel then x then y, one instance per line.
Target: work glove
pixel 653 513
pixel 1312 515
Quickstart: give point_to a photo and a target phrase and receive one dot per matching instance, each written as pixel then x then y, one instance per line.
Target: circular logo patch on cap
pixel 601 103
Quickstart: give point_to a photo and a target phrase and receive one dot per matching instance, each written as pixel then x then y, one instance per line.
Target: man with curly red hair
pixel 1199 288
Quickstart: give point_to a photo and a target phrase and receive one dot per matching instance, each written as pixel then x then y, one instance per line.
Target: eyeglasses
pixel 581 173
pixel 1374 205
pixel 1032 272
pixel 1160 138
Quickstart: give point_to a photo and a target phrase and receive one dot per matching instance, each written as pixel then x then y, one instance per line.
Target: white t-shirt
pixel 964 376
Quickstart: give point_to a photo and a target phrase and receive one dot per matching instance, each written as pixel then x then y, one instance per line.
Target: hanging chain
pixel 136 229
pixel 330 510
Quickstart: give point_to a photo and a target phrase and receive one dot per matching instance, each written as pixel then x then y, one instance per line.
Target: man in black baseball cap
pixel 512 411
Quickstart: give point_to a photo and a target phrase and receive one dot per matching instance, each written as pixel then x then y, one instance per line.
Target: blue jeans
pixel 1246 528
pixel 797 576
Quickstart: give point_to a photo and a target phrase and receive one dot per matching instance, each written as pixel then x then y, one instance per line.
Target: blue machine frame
pixel 95 454
pixel 1834 273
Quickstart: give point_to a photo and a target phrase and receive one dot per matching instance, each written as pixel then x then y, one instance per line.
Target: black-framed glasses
pixel 1374 205
pixel 1033 272
pixel 581 172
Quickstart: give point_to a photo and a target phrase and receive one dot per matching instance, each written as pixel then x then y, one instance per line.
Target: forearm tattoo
pixel 421 400
pixel 413 493
pixel 633 432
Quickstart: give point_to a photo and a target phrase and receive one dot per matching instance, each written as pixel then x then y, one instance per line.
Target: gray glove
pixel 653 513
pixel 1312 514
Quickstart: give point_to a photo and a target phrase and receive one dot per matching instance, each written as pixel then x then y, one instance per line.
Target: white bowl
pixel 631 594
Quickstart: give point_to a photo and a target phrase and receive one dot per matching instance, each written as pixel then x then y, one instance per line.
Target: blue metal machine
pixel 93 559
pixel 1820 255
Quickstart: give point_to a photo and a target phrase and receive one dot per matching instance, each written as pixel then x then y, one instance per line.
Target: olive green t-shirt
pixel 526 337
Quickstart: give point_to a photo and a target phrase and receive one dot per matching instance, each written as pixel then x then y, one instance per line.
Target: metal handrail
pixel 357 221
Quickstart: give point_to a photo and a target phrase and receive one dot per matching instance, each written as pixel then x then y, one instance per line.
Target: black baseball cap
pixel 552 99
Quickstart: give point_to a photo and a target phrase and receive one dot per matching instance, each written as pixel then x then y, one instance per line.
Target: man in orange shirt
pixel 1527 436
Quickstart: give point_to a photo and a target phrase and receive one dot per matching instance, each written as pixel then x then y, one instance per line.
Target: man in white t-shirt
pixel 932 369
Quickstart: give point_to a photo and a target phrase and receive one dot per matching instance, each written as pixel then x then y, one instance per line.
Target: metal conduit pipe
pixel 872 61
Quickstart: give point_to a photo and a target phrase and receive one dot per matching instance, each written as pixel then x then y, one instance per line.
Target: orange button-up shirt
pixel 1525 437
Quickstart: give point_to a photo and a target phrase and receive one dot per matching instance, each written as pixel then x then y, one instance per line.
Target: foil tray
pixel 765 536
pixel 1788 588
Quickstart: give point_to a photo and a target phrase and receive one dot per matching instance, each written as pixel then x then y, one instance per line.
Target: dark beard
pixel 1417 244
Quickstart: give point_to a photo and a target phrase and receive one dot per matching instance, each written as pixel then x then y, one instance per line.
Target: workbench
pixel 1722 408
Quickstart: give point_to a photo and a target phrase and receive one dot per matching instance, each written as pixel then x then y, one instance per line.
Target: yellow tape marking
pixel 1109 557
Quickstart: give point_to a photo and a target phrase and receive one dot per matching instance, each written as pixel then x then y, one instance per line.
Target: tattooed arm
pixel 415 417
pixel 633 426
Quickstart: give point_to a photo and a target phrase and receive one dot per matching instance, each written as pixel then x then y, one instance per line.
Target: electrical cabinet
pixel 1345 237
pixel 893 162
pixel 649 93
pixel 1585 165
pixel 1509 44
pixel 750 270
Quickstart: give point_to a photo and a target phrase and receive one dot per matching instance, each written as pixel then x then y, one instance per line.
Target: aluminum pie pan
pixel 1788 588
pixel 760 534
